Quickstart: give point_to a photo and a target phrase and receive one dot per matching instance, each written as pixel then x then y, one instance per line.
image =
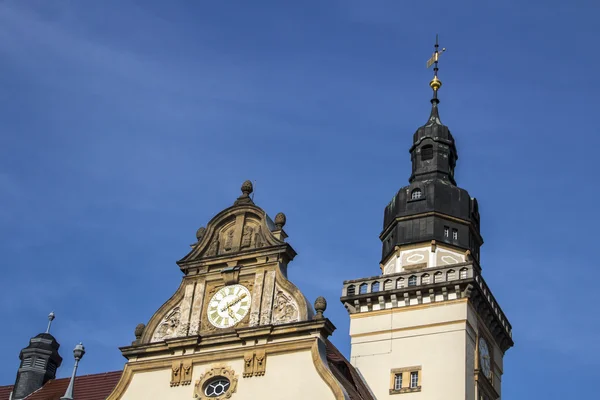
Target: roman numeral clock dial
pixel 228 306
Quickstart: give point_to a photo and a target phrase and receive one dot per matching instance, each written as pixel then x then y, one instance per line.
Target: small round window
pixel 216 387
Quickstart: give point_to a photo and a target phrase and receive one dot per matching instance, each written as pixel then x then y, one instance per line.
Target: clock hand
pixel 230 312
pixel 233 302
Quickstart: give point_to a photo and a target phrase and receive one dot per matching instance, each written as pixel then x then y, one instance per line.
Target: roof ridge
pixel 84 376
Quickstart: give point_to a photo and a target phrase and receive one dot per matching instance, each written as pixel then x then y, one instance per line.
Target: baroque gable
pixel 240 247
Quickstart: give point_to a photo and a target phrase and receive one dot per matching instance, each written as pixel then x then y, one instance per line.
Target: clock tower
pixel 429 326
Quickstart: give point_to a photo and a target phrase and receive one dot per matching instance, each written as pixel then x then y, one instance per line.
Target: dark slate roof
pixel 347 375
pixel 87 387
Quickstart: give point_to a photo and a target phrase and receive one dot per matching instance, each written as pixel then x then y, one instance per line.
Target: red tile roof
pixel 5 392
pixel 99 386
pixel 87 387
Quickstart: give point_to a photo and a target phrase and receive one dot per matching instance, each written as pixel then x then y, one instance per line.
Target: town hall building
pixel 424 325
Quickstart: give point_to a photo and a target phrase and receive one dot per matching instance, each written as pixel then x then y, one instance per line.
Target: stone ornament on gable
pixel 215 374
pixel 285 308
pixel 169 327
pixel 213 249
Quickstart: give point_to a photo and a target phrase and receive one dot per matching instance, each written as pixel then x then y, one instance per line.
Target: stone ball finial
pixel 320 306
pixel 280 220
pixel 200 233
pixel 139 331
pixel 247 188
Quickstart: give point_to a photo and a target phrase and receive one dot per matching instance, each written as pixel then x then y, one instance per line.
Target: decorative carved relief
pixel 267 300
pixel 229 239
pixel 215 372
pixel 175 373
pixel 196 309
pixel 259 239
pixel 247 237
pixel 248 364
pixel 186 376
pixel 213 249
pixel 260 362
pixel 255 363
pixel 285 308
pixel 170 326
pixel 256 298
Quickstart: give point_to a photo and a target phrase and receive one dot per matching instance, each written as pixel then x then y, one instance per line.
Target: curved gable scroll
pixel 237 229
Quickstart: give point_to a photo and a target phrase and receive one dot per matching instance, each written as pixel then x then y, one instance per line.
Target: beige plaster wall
pixel 433 337
pixel 288 376
pixel 422 256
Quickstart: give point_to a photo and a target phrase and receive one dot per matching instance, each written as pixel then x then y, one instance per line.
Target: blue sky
pixel 126 125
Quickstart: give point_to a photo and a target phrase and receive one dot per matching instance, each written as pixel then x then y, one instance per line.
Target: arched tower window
pixel 416 194
pixel 362 289
pixel 412 281
pixel 400 283
pixel 375 287
pixel 351 290
pixel 426 152
pixel 388 285
pixel 450 275
pixel 425 279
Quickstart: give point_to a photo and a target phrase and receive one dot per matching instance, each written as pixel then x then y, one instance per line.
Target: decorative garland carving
pixel 170 326
pixel 285 308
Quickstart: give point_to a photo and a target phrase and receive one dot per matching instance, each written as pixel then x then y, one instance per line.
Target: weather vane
pixel 435 82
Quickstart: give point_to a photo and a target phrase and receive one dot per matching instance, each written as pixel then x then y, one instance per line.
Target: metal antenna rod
pixel 51 317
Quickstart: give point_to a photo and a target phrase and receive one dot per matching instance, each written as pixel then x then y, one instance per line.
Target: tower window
pixel 414 379
pixel 426 152
pixel 438 277
pixel 27 362
pixel 400 283
pixel 455 234
pixel 412 281
pixel 405 380
pixel 351 290
pixel 451 275
pixel 425 279
pixel 463 273
pixel 446 231
pixel 375 287
pixel 398 381
pixel 363 288
pixel 416 194
pixel 388 285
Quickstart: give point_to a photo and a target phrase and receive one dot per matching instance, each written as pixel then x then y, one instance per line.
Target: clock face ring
pixel 228 306
pixel 485 364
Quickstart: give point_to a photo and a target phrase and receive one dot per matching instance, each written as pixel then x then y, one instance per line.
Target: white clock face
pixel 485 363
pixel 228 306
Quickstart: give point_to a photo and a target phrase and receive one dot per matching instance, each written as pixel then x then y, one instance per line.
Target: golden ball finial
pixel 435 83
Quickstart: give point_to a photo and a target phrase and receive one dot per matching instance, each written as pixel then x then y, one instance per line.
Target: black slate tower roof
pixel 432 207
pixel 39 362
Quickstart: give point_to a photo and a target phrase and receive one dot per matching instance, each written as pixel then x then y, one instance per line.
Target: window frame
pixel 408 384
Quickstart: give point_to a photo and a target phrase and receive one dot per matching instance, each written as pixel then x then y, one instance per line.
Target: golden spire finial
pixel 435 82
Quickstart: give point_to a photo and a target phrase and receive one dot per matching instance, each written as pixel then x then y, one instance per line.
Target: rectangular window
pixel 414 379
pixel 446 231
pixel 405 380
pixel 454 234
pixel 398 381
